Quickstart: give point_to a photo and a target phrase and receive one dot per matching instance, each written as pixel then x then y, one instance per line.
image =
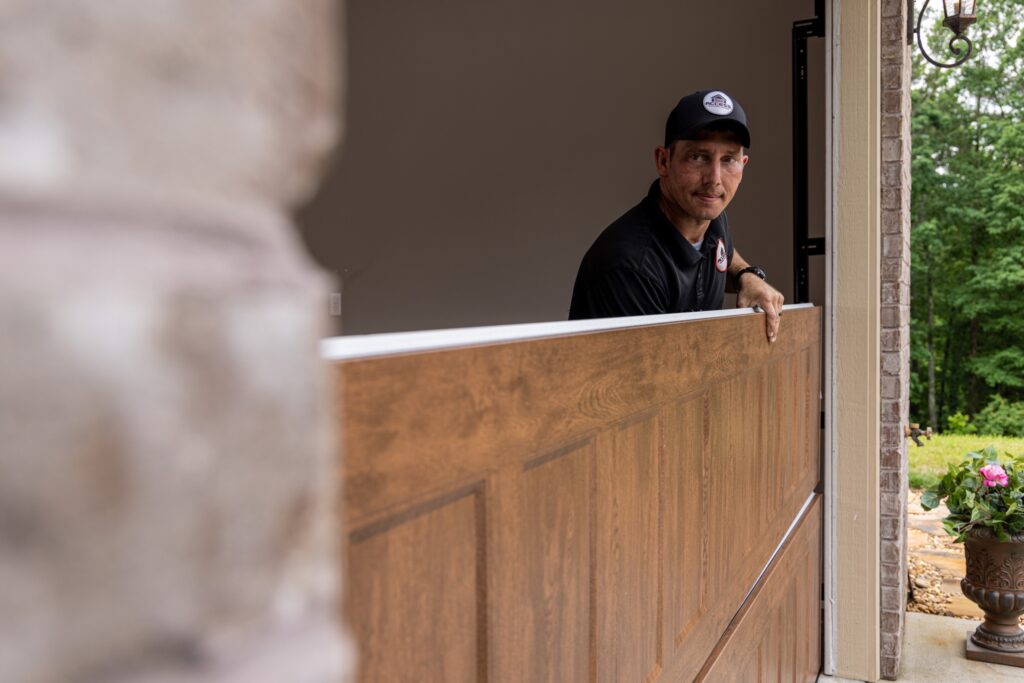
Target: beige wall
pixel 489 143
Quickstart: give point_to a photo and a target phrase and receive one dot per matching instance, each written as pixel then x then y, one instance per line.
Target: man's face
pixel 699 177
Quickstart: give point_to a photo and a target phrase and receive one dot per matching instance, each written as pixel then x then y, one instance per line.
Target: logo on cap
pixel 717 102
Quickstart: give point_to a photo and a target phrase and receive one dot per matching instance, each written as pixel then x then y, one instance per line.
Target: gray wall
pixel 489 142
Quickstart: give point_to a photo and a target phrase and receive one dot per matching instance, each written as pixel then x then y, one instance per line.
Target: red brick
pixel 890 528
pixel 891 387
pixel 890 339
pixel 891 457
pixel 890 667
pixel 891 364
pixel 892 597
pixel 891 480
pixel 892 76
pixel 892 126
pixel 891 174
pixel 892 247
pixel 892 102
pixel 889 504
pixel 890 552
pixel 892 8
pixel 892 621
pixel 892 149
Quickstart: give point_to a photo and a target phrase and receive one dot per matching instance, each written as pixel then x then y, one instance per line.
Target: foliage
pixel 929 463
pixel 1001 417
pixel 968 223
pixel 923 480
pixel 981 491
pixel 958 423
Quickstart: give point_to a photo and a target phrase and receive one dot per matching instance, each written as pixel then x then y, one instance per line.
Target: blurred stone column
pixel 167 483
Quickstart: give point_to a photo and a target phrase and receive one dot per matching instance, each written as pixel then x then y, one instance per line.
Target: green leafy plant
pixel 1001 417
pixel 958 423
pixel 981 491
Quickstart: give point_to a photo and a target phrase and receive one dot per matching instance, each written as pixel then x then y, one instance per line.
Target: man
pixel 672 252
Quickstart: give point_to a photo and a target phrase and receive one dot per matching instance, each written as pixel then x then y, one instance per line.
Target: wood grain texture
pixel 418 597
pixel 627 557
pixel 504 403
pixel 541 572
pixel 685 543
pixel 777 636
pixel 584 508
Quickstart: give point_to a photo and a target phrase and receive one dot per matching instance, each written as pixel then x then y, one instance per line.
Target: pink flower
pixel 994 475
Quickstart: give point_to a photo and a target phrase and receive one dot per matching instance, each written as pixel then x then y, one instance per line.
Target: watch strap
pixel 749 269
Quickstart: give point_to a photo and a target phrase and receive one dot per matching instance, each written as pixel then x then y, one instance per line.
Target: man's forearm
pixel 738 263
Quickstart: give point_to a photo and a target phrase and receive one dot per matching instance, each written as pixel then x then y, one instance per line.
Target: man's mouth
pixel 708 197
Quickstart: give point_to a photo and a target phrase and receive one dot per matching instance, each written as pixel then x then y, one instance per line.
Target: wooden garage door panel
pixel 784 431
pixel 737 524
pixel 412 594
pixel 589 508
pixel 776 636
pixel 434 421
pixel 627 497
pixel 541 536
pixel 685 541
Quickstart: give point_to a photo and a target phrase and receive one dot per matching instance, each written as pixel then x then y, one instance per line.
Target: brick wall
pixel 895 332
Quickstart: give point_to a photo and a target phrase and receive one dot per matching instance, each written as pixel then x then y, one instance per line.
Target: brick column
pixel 168 472
pixel 895 328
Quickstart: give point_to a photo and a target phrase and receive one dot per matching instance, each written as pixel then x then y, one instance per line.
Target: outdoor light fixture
pixel 959 15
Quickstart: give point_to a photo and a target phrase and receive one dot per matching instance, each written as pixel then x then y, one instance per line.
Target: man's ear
pixel 661 160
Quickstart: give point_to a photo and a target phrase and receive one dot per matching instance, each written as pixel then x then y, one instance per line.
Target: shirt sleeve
pixel 621 292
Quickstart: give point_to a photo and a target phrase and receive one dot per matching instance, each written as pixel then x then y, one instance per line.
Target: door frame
pixel 851 329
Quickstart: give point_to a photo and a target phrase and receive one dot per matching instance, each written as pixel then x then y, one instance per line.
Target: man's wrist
pixel 743 271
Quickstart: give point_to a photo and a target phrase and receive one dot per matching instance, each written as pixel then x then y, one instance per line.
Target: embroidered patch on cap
pixel 721 258
pixel 717 102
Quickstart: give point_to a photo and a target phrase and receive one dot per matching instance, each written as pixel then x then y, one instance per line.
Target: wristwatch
pixel 749 269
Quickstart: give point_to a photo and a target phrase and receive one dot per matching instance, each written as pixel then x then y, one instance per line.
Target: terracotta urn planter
pixel 995 581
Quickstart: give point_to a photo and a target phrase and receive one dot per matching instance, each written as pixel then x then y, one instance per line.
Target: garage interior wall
pixel 488 143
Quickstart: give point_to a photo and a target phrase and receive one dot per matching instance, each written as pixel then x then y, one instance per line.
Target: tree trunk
pixel 947 379
pixel 972 379
pixel 933 414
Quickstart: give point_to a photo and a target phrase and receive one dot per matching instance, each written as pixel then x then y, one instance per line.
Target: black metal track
pixel 803 246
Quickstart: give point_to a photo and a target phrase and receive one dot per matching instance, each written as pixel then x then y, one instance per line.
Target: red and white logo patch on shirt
pixel 721 258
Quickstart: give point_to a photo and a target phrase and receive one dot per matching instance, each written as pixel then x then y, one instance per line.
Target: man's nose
pixel 713 172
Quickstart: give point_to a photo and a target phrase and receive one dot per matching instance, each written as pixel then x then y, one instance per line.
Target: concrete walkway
pixel 933 652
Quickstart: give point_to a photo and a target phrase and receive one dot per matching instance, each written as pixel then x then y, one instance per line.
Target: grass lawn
pixel 929 463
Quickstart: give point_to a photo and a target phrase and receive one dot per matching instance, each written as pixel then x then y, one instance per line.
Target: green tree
pixel 968 220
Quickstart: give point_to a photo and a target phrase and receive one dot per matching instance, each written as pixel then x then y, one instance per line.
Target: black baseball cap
pixel 698 110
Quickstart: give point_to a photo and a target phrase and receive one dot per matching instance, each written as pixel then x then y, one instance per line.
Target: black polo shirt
pixel 641 265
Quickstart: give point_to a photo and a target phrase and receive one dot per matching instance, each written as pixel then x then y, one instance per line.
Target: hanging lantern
pixel 959 14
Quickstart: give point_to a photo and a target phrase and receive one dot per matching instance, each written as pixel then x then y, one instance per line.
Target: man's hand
pixel 756 292
pixel 753 291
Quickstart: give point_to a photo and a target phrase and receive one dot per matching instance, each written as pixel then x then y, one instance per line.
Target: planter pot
pixel 995 581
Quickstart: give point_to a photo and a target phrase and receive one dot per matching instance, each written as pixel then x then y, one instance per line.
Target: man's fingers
pixel 763 297
pixel 774 321
pixel 771 323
